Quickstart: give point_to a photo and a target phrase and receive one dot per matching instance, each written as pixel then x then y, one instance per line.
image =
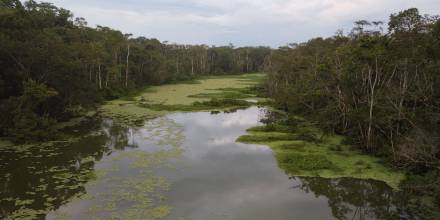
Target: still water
pixel 182 166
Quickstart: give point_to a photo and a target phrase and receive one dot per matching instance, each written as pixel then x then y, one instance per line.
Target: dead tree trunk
pixel 372 83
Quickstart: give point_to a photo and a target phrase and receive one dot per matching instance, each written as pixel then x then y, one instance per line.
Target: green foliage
pixel 28 117
pixel 424 194
pixel 200 106
pixel 84 65
pixel 377 89
pixel 222 103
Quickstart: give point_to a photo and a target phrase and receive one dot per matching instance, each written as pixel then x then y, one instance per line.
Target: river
pixel 180 166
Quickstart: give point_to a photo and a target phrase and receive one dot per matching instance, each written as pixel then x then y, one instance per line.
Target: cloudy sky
pixel 241 22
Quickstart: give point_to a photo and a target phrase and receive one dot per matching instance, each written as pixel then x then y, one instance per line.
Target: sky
pixel 240 22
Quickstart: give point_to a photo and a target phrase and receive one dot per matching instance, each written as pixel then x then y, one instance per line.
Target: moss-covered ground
pixel 302 150
pixel 214 93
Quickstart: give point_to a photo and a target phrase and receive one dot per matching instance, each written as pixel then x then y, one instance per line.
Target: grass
pixel 305 151
pixel 213 93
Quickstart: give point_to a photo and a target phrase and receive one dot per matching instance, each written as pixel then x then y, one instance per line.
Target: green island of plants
pixel 214 93
pixel 301 150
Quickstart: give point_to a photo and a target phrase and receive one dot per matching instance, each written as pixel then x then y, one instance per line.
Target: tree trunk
pixel 99 76
pixel 177 65
pixel 192 66
pixel 372 89
pixel 126 69
pixel 90 73
pixel 106 79
pixel 403 87
pixel 247 61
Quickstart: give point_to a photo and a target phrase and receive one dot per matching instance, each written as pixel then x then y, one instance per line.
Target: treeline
pixel 380 88
pixel 53 66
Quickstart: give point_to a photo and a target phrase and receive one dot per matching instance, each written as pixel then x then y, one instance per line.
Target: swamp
pixel 174 160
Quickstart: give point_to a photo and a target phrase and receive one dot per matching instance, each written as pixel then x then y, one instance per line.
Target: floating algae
pixel 115 195
pixel 157 101
pixel 305 151
pixel 70 174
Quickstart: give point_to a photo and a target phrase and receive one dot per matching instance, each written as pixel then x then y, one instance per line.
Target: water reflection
pixel 222 179
pixel 38 178
pixel 183 165
pixel 355 199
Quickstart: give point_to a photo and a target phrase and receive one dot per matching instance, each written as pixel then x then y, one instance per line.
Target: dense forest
pixel 377 87
pixel 53 66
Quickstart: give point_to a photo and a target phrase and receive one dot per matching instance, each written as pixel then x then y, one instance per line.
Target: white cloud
pixel 242 22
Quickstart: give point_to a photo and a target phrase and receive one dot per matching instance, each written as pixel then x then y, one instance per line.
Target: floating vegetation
pixel 208 94
pixel 134 198
pixel 114 195
pixel 227 93
pixel 302 150
pixel 183 93
pixel 213 104
pixel 138 196
pixel 128 113
pixel 70 175
pixel 25 214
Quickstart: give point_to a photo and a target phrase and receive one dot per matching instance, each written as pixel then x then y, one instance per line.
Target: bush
pixel 27 118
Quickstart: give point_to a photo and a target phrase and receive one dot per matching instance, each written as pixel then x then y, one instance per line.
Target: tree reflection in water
pixel 357 199
pixel 38 178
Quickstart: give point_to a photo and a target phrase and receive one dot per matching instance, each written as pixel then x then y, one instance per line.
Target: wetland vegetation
pixel 97 124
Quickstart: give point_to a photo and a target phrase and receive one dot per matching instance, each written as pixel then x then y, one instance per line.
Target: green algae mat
pixel 206 94
pixel 306 152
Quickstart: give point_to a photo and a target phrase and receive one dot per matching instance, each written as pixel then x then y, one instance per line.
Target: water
pixel 182 166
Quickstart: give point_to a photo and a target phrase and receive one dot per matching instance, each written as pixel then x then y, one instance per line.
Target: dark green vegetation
pixel 54 67
pixel 378 88
pixel 200 106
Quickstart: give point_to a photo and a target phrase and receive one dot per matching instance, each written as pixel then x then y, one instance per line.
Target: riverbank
pixel 207 93
pixel 300 149
pixel 190 138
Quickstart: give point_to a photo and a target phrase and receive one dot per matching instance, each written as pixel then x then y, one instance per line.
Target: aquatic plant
pixel 302 150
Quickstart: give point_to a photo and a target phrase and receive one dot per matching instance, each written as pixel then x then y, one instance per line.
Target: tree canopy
pixel 47 47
